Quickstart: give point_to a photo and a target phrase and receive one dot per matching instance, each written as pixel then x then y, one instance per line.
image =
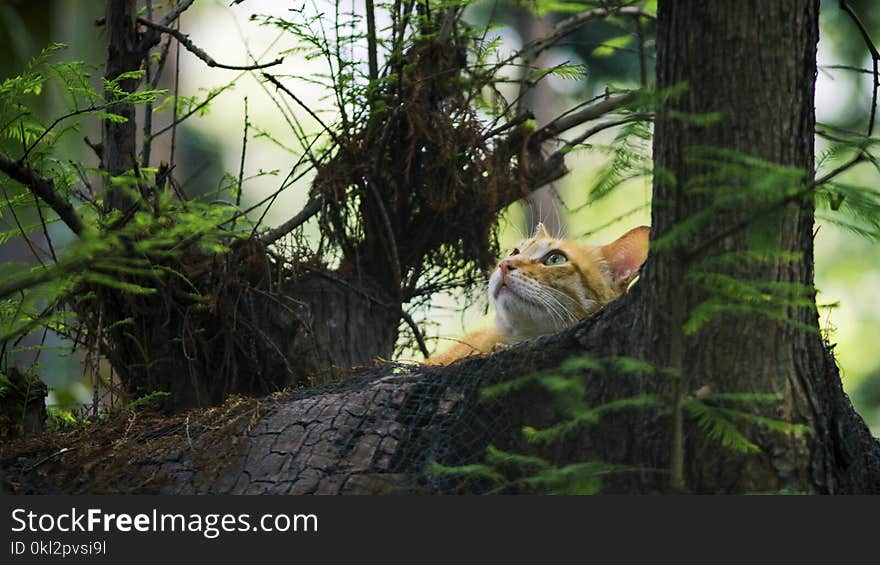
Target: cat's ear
pixel 541 231
pixel 626 255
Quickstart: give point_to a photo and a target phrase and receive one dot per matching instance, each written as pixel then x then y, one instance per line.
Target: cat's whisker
pixel 543 299
pixel 516 228
pixel 569 314
pixel 555 306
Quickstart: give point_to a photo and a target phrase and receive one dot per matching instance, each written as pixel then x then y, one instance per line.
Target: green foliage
pixel 468 472
pixel 564 71
pixel 731 294
pixel 567 384
pixel 629 159
pixel 726 418
pixel 127 251
pixel 576 479
pixel 510 472
pixel 60 419
pixel 854 208
pixel 149 401
pixel 610 46
pixel 542 7
pixel 579 417
pixel 721 423
pixel 22 132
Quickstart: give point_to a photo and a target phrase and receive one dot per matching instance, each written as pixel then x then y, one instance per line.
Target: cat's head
pixel 546 284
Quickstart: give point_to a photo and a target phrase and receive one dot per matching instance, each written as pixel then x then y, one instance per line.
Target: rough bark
pixel 119 138
pixel 754 63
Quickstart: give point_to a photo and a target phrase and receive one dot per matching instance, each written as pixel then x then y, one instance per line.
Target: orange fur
pixel 547 284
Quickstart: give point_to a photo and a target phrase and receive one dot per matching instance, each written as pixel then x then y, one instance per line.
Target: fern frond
pixel 718 427
pixel 474 471
pixel 578 478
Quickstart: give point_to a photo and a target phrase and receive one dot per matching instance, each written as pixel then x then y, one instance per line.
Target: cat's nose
pixel 506 266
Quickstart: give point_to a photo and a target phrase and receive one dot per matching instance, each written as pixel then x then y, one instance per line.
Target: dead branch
pixel 311 208
pixel 597 110
pixel 184 40
pixel 175 12
pixel 45 189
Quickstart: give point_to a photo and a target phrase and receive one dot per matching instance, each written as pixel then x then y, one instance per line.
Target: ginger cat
pixel 548 284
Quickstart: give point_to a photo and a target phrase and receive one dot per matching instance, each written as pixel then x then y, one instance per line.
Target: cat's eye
pixel 514 252
pixel 555 258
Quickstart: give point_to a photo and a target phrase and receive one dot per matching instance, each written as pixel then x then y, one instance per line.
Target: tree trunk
pixel 754 63
pixel 119 138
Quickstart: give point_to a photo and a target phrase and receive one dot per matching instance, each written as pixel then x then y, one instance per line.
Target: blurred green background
pixel 846 266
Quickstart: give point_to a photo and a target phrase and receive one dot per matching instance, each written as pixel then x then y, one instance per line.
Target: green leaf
pixel 111 282
pixel 474 471
pixel 566 71
pixel 609 46
pixel 717 427
pixel 498 458
pixel 583 478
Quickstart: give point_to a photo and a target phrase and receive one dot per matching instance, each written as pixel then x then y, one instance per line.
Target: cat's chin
pixel 519 319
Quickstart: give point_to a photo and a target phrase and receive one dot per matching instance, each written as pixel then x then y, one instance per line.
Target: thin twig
pixel 417 333
pixel 875 60
pixel 184 40
pixel 392 242
pixel 568 26
pixel 513 122
pixel 847 68
pixel 304 106
pixel 177 121
pixel 45 227
pixel 48 458
pixel 60 119
pixel 174 120
pixel 243 153
pixel 166 47
pixel 148 109
pixel 643 65
pixel 286 183
pixel 21 229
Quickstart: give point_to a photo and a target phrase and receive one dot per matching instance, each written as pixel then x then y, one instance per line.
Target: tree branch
pixel 572 24
pixel 596 129
pixel 193 111
pixel 45 189
pixel 311 208
pixel 184 40
pixel 566 122
pixel 371 41
pixel 175 12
